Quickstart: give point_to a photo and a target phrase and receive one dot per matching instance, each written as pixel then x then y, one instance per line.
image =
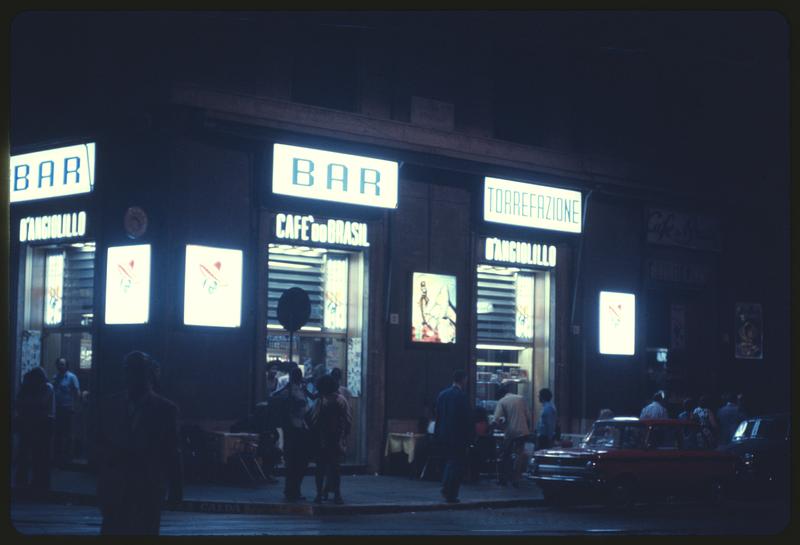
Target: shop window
pixel 335 282
pixel 512 332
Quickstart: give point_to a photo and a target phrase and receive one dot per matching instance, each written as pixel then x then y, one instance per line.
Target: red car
pixel 625 459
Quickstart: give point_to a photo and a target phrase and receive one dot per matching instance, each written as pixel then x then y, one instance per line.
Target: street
pixel 680 518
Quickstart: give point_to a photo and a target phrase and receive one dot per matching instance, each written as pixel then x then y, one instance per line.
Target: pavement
pixel 363 494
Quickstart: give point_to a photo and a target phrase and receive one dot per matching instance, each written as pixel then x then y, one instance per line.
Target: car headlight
pixel 748 458
pixel 591 465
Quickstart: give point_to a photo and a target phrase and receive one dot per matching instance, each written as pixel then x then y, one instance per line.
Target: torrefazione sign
pixel 531 205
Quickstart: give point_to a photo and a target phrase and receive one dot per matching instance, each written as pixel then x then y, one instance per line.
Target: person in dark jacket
pixel 138 453
pixel 34 424
pixel 296 436
pixel 331 421
pixel 453 433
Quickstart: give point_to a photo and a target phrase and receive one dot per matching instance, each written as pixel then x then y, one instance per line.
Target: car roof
pixel 643 421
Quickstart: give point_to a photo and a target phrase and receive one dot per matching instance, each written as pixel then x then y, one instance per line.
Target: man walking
pixel 514 417
pixel 656 408
pixel 139 453
pixel 67 390
pixel 453 433
pixel 728 417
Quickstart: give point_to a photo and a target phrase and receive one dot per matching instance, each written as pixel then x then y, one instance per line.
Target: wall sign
pixel 52 173
pixel 531 205
pixel 617 323
pixel 128 284
pixel 332 231
pixel 689 274
pixel 520 253
pixel 212 292
pixel 671 228
pixel 338 177
pixel 433 310
pixel 748 332
pixel 135 222
pixel 52 227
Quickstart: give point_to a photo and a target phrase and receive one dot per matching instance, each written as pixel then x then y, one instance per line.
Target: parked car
pixel 762 446
pixel 624 459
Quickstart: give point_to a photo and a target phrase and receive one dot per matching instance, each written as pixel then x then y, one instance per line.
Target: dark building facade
pixel 195 165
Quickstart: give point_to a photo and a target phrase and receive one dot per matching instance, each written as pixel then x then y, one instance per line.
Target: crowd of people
pixel 718 427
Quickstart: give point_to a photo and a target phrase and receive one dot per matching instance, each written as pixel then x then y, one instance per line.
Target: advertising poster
pixel 617 323
pixel 213 287
pixel 677 327
pixel 335 310
pixel 31 351
pixel 524 306
pixel 128 284
pixel 748 332
pixel 54 288
pixel 354 365
pixel 433 311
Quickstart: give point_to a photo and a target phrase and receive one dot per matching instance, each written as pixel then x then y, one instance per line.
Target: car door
pixel 665 462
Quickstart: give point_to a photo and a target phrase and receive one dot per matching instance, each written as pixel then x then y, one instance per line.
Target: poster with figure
pixel 354 365
pixel 748 332
pixel 433 308
pixel 128 284
pixel 212 287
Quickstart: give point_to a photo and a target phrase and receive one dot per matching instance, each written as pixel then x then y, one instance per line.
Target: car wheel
pixel 621 493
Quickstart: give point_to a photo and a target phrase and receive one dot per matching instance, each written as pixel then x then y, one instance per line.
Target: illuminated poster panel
pixel 433 311
pixel 617 323
pixel 531 205
pixel 128 284
pixel 52 173
pixel 335 309
pixel 213 287
pixel 524 306
pixel 54 289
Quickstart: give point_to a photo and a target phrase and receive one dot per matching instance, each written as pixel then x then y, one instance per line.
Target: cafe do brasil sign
pixel 52 173
pixel 337 177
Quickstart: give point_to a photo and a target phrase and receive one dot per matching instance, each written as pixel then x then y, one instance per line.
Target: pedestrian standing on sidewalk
pixel 728 417
pixel 514 417
pixel 67 390
pixel 688 407
pixel 331 421
pixel 548 420
pixel 453 433
pixel 708 423
pixel 656 408
pixel 34 424
pixel 296 436
pixel 139 458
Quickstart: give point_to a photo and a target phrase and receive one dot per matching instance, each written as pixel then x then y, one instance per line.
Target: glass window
pixel 605 436
pixel 663 438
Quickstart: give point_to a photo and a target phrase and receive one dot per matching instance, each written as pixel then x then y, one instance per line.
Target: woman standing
pixel 35 416
pixel 331 421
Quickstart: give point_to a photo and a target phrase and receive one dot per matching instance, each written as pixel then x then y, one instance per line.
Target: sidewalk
pixel 363 494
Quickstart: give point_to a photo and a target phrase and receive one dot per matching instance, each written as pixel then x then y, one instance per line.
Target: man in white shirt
pixel 513 415
pixel 656 408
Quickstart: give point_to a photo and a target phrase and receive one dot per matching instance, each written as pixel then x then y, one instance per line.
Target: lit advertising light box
pixel 212 293
pixel 617 323
pixel 128 284
pixel 433 311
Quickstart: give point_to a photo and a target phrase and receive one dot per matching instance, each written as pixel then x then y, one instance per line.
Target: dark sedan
pixel 762 445
pixel 624 459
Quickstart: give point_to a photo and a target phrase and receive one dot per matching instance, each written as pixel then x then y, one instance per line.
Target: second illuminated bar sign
pixel 531 205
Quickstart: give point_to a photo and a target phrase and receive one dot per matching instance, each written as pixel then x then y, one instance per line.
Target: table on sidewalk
pixel 406 443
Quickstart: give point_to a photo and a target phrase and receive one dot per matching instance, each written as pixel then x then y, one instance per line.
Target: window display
pixel 433 311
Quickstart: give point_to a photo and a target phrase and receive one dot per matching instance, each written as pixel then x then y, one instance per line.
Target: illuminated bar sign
pixel 55 226
pixel 128 284
pixel 338 177
pixel 332 231
pixel 213 287
pixel 53 173
pixel 530 205
pixel 617 323
pixel 520 253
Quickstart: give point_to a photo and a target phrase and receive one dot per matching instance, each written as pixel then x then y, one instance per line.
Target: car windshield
pixel 769 428
pixel 744 430
pixel 614 435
